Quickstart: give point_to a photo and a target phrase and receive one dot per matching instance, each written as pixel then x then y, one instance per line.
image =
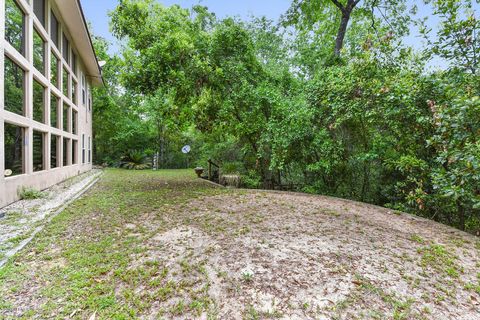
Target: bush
pixel 251 180
pixel 232 168
pixel 135 160
pixel 30 194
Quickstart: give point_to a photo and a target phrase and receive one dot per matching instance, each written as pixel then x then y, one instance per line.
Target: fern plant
pixel 135 160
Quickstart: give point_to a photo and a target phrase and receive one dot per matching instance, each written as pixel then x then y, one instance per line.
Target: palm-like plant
pixel 135 160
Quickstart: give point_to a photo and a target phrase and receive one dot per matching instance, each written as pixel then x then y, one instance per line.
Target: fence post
pixel 210 169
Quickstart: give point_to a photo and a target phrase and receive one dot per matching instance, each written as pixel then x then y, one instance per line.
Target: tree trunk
pixel 461 215
pixel 342 30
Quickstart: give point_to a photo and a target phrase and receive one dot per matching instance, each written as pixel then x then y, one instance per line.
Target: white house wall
pixel 10 186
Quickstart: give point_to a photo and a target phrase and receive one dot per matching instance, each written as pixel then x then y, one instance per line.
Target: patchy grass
pixel 82 262
pixel 31 194
pixel 440 259
pixel 165 245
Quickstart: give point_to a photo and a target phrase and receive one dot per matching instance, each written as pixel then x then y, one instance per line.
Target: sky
pixel 96 12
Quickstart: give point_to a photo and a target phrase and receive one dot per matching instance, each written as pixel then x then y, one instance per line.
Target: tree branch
pixel 339 5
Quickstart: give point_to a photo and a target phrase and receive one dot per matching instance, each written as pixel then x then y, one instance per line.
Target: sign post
pixel 186 150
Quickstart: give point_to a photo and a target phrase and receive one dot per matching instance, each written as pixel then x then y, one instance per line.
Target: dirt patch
pixel 164 246
pixel 321 257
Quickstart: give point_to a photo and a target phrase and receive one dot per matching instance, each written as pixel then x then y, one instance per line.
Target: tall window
pixel 39 9
pixel 54 29
pixel 83 148
pixel 65 82
pixel 65 48
pixel 38 102
pixel 15 26
pixel 66 116
pixel 38 52
pixel 54 70
pixel 38 151
pixel 66 144
pixel 89 100
pixel 14 85
pixel 74 62
pixel 74 121
pixel 54 113
pixel 89 149
pixel 54 145
pixel 14 150
pixel 84 95
pixel 74 91
pixel 74 151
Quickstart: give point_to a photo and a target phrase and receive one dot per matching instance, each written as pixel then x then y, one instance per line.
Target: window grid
pixel 25 61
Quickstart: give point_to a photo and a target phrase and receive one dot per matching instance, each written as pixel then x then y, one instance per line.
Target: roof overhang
pixel 74 19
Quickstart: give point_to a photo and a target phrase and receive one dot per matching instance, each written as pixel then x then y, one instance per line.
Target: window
pixel 65 82
pixel 14 87
pixel 89 149
pixel 89 100
pixel 66 116
pixel 54 26
pixel 14 150
pixel 84 94
pixel 74 151
pixel 74 63
pixel 54 145
pixel 39 9
pixel 65 49
pixel 54 114
pixel 54 71
pixel 38 154
pixel 38 102
pixel 66 143
pixel 74 121
pixel 83 148
pixel 15 26
pixel 74 91
pixel 38 52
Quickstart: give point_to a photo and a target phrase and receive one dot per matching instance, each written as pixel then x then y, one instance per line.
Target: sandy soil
pixel 21 218
pixel 294 256
pixel 177 249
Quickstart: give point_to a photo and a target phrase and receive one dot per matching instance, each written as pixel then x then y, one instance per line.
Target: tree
pixel 326 17
pixel 457 39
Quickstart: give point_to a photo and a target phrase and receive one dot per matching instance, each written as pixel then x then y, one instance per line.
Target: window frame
pixel 23 149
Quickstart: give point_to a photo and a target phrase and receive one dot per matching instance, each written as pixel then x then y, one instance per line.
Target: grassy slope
pixel 97 257
pixel 83 256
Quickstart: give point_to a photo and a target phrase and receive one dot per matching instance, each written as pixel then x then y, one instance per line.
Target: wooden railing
pixel 213 171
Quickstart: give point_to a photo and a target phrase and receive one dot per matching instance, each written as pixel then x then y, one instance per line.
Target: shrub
pixel 251 180
pixel 135 160
pixel 30 194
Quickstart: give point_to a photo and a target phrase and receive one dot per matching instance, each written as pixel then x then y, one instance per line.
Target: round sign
pixel 8 173
pixel 186 149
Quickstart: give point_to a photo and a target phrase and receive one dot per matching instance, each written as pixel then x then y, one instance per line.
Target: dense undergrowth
pixel 277 104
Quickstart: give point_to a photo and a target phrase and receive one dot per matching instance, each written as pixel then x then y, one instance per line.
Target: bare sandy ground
pixel 191 252
pixel 21 218
pixel 293 256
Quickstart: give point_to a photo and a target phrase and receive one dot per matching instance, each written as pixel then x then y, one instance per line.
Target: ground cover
pixel 165 245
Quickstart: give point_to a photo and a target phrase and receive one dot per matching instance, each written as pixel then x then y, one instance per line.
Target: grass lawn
pixel 82 262
pixel 166 245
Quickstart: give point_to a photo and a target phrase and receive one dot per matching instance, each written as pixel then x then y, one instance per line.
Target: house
pixel 47 69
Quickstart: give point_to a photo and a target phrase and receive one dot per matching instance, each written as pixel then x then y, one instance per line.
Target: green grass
pixel 86 261
pixel 439 259
pixel 31 194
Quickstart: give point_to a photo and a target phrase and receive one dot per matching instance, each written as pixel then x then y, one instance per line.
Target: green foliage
pixel 457 39
pixel 135 160
pixel 272 103
pixel 31 194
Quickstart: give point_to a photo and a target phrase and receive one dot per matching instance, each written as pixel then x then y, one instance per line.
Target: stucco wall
pixel 10 186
